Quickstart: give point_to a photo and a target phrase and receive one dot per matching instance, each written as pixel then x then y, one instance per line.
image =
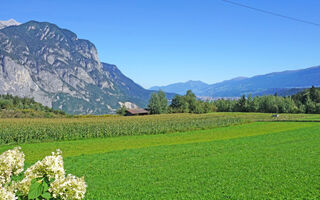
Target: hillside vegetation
pixel 16 107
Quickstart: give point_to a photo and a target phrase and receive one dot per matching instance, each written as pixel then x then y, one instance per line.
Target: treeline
pixel 12 105
pixel 158 104
pixel 307 101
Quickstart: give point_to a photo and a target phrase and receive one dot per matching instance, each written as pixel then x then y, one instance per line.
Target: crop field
pixel 18 131
pixel 212 156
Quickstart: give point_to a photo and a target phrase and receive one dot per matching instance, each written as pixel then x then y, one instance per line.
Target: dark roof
pixel 137 111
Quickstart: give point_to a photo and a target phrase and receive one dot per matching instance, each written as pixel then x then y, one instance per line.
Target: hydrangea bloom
pixel 6 194
pixel 11 163
pixel 50 166
pixel 69 187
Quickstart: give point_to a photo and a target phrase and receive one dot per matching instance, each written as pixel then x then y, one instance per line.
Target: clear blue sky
pixel 166 41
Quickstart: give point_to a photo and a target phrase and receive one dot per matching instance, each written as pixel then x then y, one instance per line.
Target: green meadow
pixel 256 158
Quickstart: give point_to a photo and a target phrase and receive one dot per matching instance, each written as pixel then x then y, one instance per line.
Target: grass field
pixel 256 160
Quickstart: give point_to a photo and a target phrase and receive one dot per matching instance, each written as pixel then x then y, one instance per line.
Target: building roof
pixel 137 111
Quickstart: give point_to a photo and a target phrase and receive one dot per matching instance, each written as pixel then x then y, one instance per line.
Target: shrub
pixel 45 179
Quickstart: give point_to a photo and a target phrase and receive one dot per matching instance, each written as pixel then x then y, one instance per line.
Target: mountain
pixel 285 83
pixel 52 65
pixel 182 88
pixel 303 78
pixel 280 91
pixel 10 22
pixel 132 91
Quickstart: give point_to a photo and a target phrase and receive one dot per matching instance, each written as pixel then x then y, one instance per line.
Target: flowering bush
pixel 46 179
pixel 11 163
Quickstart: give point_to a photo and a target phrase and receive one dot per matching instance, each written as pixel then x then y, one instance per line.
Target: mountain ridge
pixel 52 65
pixel 256 85
pixel 182 87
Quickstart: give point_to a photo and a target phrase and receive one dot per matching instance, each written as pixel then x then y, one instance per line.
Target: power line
pixel 272 13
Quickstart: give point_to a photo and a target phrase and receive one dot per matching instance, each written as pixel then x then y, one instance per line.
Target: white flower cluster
pixel 69 187
pixel 50 166
pixel 63 187
pixel 6 194
pixel 11 163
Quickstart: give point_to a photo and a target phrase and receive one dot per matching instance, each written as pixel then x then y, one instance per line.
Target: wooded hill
pixel 16 107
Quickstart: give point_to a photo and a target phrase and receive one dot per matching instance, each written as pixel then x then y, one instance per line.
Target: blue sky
pixel 167 41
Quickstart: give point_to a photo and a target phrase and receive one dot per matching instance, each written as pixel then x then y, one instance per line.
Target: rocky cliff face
pixel 57 69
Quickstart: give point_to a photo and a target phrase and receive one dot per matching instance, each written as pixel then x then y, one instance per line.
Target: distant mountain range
pixel 283 83
pixel 180 88
pixel 52 65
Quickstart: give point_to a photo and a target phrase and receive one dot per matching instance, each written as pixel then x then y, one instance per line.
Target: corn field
pixel 17 131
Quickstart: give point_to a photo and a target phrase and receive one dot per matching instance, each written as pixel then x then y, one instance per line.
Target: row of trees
pixel 158 104
pixel 307 101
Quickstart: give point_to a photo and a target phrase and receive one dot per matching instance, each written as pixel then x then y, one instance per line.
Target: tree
pixel 122 110
pixel 290 106
pixel 318 108
pixel 163 102
pixel 226 105
pixel 153 105
pixel 209 107
pixel 313 93
pixel 158 103
pixel 191 99
pixel 179 105
pixel 251 104
pixel 242 105
pixel 199 107
pixel 190 104
pixel 310 106
pixel 5 104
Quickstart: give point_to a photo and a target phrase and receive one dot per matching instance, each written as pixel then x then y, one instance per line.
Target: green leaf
pixel 45 186
pixel 46 195
pixel 33 181
pixel 35 190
